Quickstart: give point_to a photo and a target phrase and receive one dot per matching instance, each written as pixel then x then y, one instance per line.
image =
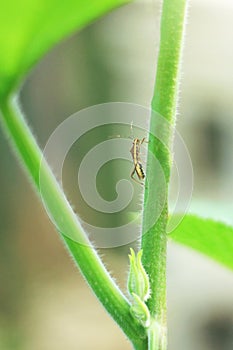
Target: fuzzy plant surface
pixel 28 29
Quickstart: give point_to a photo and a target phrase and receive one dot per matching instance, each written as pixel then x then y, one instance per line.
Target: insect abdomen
pixel 139 171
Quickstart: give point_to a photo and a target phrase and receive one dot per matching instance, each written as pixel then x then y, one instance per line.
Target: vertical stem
pixel 164 103
pixel 157 338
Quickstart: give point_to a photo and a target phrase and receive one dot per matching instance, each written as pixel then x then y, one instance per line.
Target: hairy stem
pixel 157 338
pixel 164 103
pixel 67 224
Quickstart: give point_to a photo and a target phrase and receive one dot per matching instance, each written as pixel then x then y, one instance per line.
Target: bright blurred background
pixel 44 302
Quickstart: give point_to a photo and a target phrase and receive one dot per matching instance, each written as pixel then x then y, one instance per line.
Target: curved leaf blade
pixel 28 29
pixel 211 238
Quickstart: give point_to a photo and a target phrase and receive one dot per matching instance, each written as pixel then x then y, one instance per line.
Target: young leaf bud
pixel 138 281
pixel 140 310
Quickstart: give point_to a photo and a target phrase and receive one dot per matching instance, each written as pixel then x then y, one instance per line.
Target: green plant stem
pixel 157 338
pixel 164 102
pixel 66 222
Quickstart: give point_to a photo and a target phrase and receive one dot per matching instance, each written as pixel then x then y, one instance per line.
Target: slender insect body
pixel 135 152
pixel 138 169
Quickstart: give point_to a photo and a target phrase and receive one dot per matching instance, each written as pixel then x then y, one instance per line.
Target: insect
pixel 135 151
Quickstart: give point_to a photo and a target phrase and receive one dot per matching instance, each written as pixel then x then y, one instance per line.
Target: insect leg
pixel 143 140
pixel 133 178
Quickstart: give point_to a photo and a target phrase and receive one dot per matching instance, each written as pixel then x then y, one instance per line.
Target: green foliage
pixel 138 281
pixel 214 239
pixel 140 310
pixel 138 288
pixel 28 29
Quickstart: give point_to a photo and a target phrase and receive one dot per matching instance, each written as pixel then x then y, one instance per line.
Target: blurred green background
pixel 44 302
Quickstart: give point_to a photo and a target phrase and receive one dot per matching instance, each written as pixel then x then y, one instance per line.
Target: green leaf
pixel 209 237
pixel 29 28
